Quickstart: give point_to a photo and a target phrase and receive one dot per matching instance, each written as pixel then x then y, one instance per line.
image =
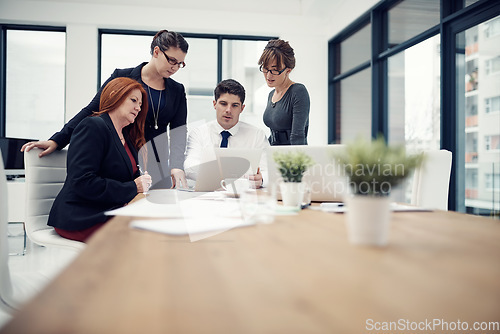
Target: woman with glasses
pixel 287 110
pixel 167 105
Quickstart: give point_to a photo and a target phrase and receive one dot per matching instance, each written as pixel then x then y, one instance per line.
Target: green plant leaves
pixel 292 165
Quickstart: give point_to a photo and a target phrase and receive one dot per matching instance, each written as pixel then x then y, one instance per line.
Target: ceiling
pixel 313 8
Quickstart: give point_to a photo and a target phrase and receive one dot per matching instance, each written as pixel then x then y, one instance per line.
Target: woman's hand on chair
pixel 48 146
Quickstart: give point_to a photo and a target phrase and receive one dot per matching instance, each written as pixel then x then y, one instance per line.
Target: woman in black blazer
pixel 102 172
pixel 167 100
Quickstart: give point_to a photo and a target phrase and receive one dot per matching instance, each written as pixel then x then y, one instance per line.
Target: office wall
pixel 307 34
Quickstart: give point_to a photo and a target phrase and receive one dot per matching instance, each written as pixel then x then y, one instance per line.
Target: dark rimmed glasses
pixel 273 72
pixel 173 61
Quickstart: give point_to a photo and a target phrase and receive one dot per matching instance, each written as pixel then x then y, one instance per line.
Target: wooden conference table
pixel 297 275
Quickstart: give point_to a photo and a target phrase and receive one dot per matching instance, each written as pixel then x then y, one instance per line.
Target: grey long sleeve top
pixel 288 118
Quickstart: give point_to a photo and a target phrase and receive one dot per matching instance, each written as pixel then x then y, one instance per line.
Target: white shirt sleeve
pixel 193 153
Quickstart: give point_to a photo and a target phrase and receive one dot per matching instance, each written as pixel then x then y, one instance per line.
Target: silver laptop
pixel 224 163
pixel 326 181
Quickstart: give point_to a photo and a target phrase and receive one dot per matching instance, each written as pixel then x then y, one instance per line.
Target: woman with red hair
pixel 102 172
pixel 168 108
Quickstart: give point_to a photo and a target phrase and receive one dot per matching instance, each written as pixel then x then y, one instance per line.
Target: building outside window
pixel 492 104
pixel 492 28
pixel 482 79
pixel 491 181
pixel 492 142
pixel 492 66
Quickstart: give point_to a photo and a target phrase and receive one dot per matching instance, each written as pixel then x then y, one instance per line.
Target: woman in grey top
pixel 287 110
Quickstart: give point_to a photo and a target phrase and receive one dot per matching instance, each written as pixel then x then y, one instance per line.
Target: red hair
pixel 114 94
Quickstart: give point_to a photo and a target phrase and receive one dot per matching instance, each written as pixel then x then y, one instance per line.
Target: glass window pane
pixel 200 78
pixel 36 62
pixel 355 106
pixel 239 62
pixel 492 28
pixel 414 96
pixel 470 2
pixel 123 51
pixel 355 50
pixel 414 102
pixel 478 100
pixel 411 17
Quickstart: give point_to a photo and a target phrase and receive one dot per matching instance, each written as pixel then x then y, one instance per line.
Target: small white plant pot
pixel 292 193
pixel 368 219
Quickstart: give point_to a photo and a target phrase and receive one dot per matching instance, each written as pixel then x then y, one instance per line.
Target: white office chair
pixel 432 180
pixel 14 289
pixel 44 179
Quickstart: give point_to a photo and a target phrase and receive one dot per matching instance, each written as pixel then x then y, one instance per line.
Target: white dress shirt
pixel 202 139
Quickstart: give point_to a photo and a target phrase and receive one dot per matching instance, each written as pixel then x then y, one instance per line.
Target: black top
pixel 99 176
pixel 173 112
pixel 288 118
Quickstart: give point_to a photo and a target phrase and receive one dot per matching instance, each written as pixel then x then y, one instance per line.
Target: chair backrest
pixel 432 180
pixel 44 179
pixel 6 290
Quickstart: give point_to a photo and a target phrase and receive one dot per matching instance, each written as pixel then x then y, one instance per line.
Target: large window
pixel 481 131
pixel 34 82
pixel 430 81
pixel 205 67
pixel 414 96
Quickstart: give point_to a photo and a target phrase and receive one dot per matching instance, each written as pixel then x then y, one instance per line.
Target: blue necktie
pixel 225 135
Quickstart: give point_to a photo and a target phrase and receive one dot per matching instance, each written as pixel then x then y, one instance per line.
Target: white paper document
pixel 196 228
pixel 199 216
pixel 164 203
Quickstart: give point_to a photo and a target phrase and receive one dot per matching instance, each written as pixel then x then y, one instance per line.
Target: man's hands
pixel 178 178
pixel 256 180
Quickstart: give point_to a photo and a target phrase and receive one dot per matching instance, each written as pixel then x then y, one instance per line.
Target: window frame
pixel 3 63
pixel 455 17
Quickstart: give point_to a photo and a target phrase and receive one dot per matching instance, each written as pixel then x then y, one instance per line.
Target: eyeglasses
pixel 273 72
pixel 173 61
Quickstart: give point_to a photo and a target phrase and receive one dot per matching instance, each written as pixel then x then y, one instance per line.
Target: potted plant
pixel 292 166
pixel 373 169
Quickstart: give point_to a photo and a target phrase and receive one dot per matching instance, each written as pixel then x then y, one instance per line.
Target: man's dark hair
pixel 230 86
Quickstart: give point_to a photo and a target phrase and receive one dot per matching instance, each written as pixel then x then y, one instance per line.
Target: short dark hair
pixel 230 86
pixel 165 39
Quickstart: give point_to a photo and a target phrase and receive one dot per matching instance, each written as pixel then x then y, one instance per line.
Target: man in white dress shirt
pixel 225 131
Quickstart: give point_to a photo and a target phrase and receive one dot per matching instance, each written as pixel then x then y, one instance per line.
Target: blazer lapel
pixel 117 142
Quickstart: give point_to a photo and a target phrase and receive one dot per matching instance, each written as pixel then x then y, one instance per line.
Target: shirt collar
pixel 233 131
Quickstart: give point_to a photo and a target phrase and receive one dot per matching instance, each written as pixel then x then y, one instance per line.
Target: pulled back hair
pixel 230 86
pixel 165 39
pixel 281 51
pixel 114 95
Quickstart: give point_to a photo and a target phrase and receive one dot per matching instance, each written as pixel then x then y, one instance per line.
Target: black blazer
pixel 173 114
pixel 99 176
